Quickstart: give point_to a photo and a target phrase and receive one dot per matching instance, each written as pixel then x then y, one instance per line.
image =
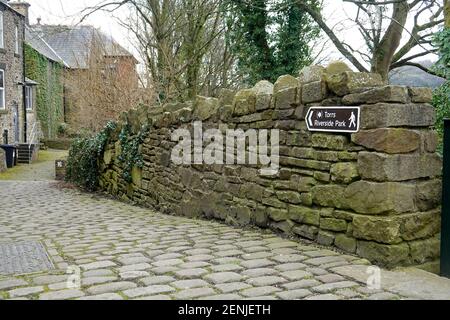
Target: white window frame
pixel 2 34
pixel 17 46
pixel 3 90
pixel 29 97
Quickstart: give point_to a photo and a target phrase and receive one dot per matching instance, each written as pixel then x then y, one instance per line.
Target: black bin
pixel 11 154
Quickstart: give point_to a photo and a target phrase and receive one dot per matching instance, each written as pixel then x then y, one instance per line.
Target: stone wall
pixel 375 193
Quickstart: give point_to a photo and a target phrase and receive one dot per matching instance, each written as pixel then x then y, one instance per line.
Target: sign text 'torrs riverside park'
pixel 334 119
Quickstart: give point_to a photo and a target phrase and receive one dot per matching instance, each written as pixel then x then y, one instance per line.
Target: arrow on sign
pixel 310 118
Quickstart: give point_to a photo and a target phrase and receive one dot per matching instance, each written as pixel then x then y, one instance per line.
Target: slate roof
pixel 40 45
pixel 73 44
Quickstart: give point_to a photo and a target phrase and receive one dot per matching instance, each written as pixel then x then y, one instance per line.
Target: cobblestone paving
pixel 126 252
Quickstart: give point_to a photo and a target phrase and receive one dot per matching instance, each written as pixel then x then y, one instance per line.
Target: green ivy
pixel 130 155
pixel 441 96
pixel 82 165
pixel 49 91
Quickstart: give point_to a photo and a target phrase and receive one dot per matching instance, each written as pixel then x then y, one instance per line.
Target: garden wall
pixel 375 193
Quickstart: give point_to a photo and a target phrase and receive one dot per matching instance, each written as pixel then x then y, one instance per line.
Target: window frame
pixel 3 90
pixel 2 32
pixel 29 98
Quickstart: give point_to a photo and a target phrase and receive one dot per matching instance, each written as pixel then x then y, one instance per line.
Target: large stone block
pixel 289 197
pixel 344 172
pixel 337 67
pixel 314 92
pixel 304 215
pixel 312 74
pixel 425 250
pixel 388 140
pixel 284 226
pixel 205 108
pixel 277 214
pixel 384 254
pixel 393 197
pixel 305 163
pixel 244 102
pixel 329 141
pixel 325 238
pixel 263 101
pixel 399 167
pixel 305 231
pixel 392 94
pixel 345 243
pixel 136 176
pixel 428 194
pixel 333 224
pixel 378 198
pixel 329 196
pixel 285 82
pixel 263 87
pixel 380 229
pixel 430 140
pixel 348 82
pixel 419 225
pixel 304 184
pixel 226 96
pixel 383 115
pixel 252 191
pixel 421 95
pixel 286 98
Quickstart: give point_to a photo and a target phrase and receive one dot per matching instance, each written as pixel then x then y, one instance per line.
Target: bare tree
pixel 181 42
pixel 103 90
pixel 382 24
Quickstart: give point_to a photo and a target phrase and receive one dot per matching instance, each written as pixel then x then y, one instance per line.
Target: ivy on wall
pixel 49 92
pixel 441 97
pixel 82 164
pixel 130 155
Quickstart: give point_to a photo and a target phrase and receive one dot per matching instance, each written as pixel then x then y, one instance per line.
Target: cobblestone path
pixel 126 252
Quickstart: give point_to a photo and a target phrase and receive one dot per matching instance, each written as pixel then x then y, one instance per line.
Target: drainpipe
pixel 24 88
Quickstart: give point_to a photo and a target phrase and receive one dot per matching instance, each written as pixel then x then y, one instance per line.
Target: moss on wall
pixel 49 92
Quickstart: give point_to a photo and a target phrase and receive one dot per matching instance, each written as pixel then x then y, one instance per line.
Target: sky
pixel 69 12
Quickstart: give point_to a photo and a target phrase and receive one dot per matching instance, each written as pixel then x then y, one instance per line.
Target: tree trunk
pixel 447 13
pixel 384 53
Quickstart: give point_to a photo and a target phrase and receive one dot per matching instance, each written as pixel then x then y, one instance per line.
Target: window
pixel 17 40
pixel 1 30
pixel 2 90
pixel 29 97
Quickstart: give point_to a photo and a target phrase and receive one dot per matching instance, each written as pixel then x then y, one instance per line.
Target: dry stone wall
pixel 375 193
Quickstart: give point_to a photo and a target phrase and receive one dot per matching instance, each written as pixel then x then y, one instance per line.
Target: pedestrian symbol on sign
pixel 352 120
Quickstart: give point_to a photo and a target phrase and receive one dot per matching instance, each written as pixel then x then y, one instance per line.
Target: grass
pixel 44 162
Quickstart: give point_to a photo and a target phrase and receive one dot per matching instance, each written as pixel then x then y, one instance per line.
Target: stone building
pixel 57 58
pixel 87 53
pixel 46 67
pixel 17 114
